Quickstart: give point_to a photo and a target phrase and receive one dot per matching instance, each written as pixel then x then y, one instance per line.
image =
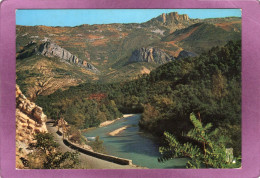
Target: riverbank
pixel 106 123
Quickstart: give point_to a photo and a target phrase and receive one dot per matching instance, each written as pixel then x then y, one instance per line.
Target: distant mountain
pixel 105 53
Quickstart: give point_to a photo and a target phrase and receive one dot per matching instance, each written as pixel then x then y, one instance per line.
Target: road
pixel 86 160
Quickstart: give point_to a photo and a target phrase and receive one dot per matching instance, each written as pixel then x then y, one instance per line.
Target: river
pixel 133 144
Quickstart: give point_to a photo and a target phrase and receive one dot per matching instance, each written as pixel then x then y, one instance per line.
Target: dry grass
pixel 185 35
pixel 99 42
pixel 228 26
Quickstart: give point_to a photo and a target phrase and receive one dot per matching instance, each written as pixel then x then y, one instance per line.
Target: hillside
pixel 109 49
pixel 201 37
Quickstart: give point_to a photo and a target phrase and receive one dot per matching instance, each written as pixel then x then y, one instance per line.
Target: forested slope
pixel 208 85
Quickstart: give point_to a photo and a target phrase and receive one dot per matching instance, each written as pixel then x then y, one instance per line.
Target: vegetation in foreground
pixel 204 149
pixel 97 145
pixel 47 155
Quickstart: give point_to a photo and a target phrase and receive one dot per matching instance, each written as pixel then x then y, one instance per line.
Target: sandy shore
pixel 117 131
pixel 103 124
pixel 128 115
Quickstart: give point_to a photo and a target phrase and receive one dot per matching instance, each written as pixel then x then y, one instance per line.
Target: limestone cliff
pixel 150 55
pixel 172 21
pixel 30 120
pixel 51 49
pixel 172 18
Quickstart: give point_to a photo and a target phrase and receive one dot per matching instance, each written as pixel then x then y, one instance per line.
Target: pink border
pixel 250 86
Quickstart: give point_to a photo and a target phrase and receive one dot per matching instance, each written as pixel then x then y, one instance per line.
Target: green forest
pixel 208 85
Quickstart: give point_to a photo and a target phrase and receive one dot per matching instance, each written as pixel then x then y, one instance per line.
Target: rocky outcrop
pixel 172 21
pixel 175 16
pixel 172 17
pixel 184 54
pixel 164 18
pixel 30 120
pixel 51 49
pixel 150 55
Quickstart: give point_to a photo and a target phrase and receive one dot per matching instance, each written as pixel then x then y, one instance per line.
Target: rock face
pixel 172 21
pixel 30 120
pixel 150 55
pixel 173 17
pixel 51 49
pixel 164 18
pixel 184 54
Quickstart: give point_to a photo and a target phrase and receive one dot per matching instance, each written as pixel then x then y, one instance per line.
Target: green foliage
pixel 62 71
pixel 27 51
pixel 208 152
pixel 149 116
pixel 97 145
pixel 85 110
pixel 47 155
pixel 74 135
pixel 45 142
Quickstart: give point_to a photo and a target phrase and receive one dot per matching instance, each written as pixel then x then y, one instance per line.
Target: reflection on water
pixel 132 144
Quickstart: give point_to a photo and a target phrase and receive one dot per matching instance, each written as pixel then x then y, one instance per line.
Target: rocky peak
pixel 172 17
pixel 51 49
pixel 164 18
pixel 150 55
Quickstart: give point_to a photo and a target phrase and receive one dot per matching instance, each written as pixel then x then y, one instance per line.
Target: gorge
pixel 167 68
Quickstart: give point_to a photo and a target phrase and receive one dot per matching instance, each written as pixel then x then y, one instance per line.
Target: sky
pixel 74 17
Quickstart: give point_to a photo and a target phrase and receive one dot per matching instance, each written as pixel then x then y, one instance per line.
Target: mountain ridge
pixel 109 47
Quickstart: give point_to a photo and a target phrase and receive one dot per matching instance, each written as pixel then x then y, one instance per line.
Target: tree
pixel 204 150
pixel 74 134
pixel 97 145
pixel 149 117
pixel 50 156
pixel 219 83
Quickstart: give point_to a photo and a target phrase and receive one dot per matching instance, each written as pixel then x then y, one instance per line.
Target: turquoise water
pixel 133 144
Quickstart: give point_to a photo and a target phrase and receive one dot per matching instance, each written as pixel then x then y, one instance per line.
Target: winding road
pixel 88 161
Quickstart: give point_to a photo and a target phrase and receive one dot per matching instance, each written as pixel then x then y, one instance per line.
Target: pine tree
pixel 207 153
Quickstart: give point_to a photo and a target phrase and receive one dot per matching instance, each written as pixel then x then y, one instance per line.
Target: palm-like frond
pixel 213 153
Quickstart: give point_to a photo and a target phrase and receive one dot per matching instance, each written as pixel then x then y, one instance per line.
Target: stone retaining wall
pixel 110 158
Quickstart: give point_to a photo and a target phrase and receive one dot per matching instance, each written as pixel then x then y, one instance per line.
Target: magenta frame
pixel 250 86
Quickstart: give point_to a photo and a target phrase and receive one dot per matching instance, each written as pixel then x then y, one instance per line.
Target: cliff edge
pixel 30 120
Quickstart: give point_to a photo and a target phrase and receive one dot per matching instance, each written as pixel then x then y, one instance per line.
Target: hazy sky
pixel 76 17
